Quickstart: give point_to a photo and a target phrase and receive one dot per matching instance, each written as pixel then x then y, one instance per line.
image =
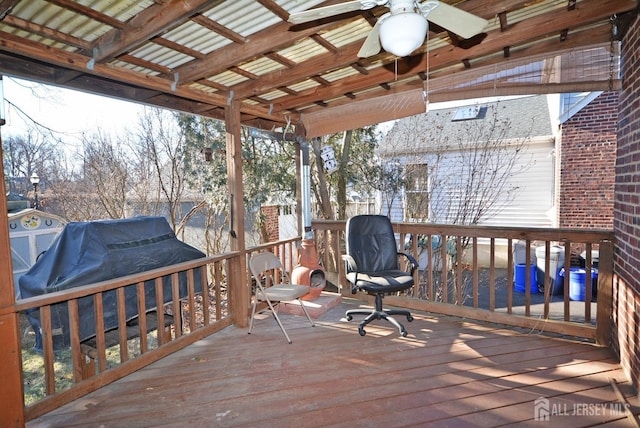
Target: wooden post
pixel 299 188
pixel 237 278
pixel 605 294
pixel 11 389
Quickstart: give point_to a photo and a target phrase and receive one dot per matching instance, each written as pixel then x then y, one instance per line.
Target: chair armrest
pixel 351 266
pixel 350 263
pixel 412 260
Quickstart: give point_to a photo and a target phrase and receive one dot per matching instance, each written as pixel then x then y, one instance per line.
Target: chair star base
pixel 379 313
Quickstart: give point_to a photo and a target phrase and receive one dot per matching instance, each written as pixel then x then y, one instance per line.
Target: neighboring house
pixel 562 176
pixel 568 157
pixel 444 153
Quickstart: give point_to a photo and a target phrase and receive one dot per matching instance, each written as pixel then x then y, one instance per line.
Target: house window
pixel 417 192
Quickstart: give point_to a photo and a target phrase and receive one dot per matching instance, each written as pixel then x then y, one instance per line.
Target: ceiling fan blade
pixel 324 12
pixel 371 45
pixel 458 21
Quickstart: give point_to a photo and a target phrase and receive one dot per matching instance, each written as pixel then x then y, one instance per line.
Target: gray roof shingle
pixel 525 117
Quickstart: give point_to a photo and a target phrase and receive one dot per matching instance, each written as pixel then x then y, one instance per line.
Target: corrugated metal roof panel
pixel 302 51
pixel 304 85
pixel 68 22
pixel 122 10
pixel 270 96
pixel 203 88
pixel 244 17
pixel 161 55
pixel 57 18
pixel 297 5
pixel 228 78
pixel 196 37
pixel 262 66
pixel 339 74
pixel 345 34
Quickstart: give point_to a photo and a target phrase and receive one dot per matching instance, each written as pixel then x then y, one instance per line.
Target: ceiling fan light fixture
pixel 403 33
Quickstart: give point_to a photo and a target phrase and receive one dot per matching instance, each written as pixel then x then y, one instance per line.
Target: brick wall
pixel 271 229
pixel 587 166
pixel 626 223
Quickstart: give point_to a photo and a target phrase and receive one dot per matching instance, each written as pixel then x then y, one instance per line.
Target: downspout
pixel 307 233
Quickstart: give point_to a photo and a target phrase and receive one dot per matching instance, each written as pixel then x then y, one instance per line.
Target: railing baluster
pixel 74 336
pixel 527 278
pixel 122 325
pixel 567 270
pixel 47 349
pixel 547 278
pixel 476 273
pixel 217 288
pixel 142 320
pixel 430 267
pixel 192 300
pixel 510 276
pixel 206 301
pixel 492 275
pixel 459 269
pixel 98 305
pixel 177 305
pixel 445 269
pixel 588 284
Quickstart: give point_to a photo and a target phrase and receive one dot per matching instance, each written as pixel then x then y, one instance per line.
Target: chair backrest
pixel 264 262
pixel 371 242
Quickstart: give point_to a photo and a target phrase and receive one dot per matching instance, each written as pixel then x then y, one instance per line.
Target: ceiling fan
pixel 403 29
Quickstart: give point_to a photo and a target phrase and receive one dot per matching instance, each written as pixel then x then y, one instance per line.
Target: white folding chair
pixel 264 267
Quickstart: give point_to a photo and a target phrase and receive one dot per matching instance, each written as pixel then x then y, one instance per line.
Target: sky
pixel 63 110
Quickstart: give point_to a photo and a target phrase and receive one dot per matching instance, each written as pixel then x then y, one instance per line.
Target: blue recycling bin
pixel 520 284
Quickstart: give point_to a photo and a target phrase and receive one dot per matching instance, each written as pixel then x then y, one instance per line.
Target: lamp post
pixel 35 180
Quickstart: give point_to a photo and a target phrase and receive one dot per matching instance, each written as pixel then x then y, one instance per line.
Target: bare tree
pixel 106 169
pixel 26 154
pixel 72 196
pixel 159 151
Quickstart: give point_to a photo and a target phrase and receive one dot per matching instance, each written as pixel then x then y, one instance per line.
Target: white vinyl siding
pixel 533 204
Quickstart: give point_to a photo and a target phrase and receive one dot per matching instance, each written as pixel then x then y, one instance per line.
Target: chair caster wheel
pixel 361 331
pixel 403 333
pixel 409 318
pixel 349 317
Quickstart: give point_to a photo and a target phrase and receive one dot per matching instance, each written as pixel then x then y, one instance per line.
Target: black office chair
pixel 372 265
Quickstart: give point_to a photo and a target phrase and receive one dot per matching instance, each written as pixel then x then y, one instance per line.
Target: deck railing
pixel 474 272
pixel 465 271
pixel 55 377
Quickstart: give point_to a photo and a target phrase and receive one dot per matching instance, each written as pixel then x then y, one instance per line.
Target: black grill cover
pixel 89 252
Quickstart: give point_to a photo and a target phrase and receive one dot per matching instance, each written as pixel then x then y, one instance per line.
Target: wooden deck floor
pixel 447 372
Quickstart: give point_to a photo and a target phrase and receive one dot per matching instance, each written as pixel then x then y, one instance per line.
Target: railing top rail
pixel 524 233
pixel 90 289
pixel 271 244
